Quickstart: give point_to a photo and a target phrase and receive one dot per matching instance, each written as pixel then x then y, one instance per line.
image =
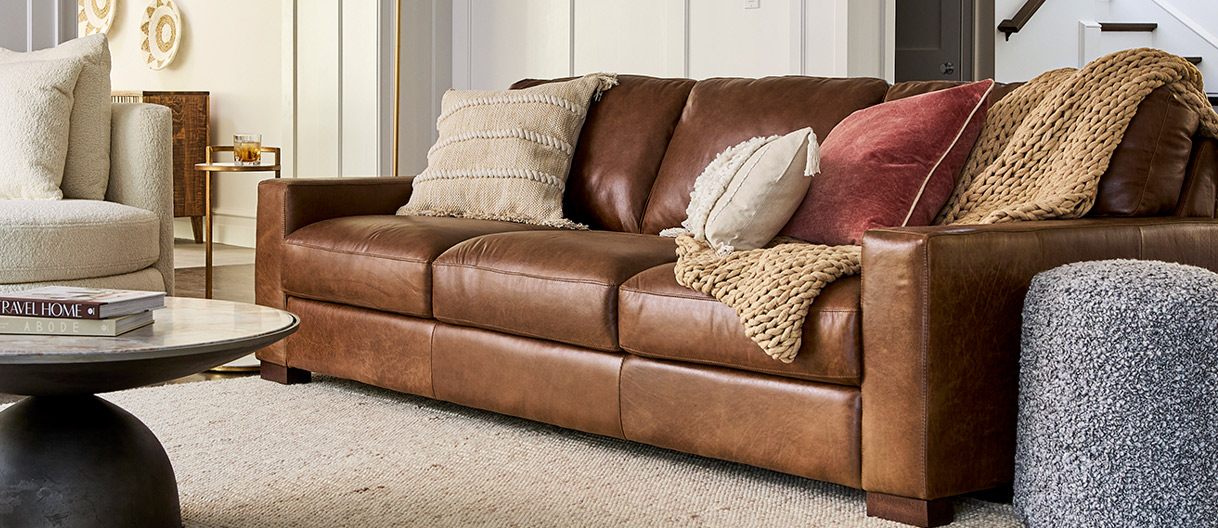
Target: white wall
pixel 496 42
pixel 1051 39
pixel 644 37
pixel 238 60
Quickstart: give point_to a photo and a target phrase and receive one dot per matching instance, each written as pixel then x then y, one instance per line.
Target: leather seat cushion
pixel 381 262
pixel 58 240
pixel 659 318
pixel 555 285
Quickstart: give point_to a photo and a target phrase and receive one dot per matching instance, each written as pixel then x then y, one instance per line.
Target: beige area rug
pixel 251 453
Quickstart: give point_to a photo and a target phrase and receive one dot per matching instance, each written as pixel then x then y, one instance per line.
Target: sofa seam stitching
pixel 713 300
pixel 925 368
pixel 349 252
pixel 736 367
pixel 520 274
pixel 621 422
pixel 513 331
pixel 1154 154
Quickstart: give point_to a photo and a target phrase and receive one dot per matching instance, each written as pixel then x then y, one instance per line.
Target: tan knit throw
pixel 1040 156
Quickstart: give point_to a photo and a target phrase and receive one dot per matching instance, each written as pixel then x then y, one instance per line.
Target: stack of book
pixel 64 310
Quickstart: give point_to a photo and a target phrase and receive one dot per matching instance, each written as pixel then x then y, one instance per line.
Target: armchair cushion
pixel 87 168
pixel 54 240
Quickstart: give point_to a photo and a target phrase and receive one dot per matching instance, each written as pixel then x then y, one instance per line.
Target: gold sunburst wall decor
pixel 162 27
pixel 95 16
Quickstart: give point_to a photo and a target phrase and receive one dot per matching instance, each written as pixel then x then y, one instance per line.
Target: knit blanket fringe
pixel 1040 156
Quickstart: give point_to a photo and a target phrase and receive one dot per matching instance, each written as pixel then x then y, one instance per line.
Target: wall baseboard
pixel 231 230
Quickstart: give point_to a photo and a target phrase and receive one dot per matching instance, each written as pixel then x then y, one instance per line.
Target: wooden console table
pixel 191 131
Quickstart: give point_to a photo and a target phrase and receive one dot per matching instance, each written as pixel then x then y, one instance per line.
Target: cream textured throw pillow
pixel 35 111
pixel 505 155
pixel 749 192
pixel 87 170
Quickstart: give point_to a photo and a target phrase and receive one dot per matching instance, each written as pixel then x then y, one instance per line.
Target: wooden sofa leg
pixel 916 512
pixel 285 375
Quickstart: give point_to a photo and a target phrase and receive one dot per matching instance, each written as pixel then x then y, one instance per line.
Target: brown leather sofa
pixel 906 382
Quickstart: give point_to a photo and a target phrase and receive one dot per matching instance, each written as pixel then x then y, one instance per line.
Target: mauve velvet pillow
pixel 893 164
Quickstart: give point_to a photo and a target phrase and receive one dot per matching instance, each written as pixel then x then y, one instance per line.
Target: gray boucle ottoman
pixel 1118 397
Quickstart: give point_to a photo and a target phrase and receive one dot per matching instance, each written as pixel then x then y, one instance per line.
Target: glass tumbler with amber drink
pixel 247 149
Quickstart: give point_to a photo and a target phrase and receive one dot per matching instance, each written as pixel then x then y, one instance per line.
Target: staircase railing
pixel 1013 25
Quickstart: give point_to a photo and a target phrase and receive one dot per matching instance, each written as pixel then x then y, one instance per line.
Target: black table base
pixel 82 461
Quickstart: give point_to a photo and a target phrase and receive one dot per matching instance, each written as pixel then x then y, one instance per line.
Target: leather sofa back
pixel 721 113
pixel 1197 199
pixel 648 139
pixel 620 149
pixel 1149 167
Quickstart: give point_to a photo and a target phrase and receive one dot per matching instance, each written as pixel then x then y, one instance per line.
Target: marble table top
pixel 185 326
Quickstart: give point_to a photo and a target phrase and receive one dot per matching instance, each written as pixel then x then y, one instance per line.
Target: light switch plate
pixel 752 4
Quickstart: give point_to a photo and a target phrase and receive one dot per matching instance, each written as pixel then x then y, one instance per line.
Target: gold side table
pixel 211 166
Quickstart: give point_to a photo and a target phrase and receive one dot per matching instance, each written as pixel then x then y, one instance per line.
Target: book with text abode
pixel 12 324
pixel 66 302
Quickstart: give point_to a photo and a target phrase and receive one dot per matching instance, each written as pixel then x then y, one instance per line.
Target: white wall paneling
pixel 427 72
pixel 361 88
pixel 27 25
pixel 496 43
pixel 673 38
pixel 318 88
pixel 344 87
pixel 288 91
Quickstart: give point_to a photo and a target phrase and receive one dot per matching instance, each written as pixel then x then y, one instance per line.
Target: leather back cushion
pixel 1200 192
pixel 620 149
pixel 721 113
pixel 1148 167
pixel 1147 172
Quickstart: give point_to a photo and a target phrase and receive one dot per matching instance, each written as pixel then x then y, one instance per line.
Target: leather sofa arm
pixel 285 205
pixel 941 337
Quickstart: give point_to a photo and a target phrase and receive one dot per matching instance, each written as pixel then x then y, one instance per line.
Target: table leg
pixel 81 461
pixel 207 246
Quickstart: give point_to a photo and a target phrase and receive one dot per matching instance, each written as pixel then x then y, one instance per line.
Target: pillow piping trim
pixel 925 181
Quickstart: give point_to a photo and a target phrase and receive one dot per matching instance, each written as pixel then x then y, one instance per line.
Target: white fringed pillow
pixel 748 193
pixel 86 172
pixel 35 115
pixel 505 155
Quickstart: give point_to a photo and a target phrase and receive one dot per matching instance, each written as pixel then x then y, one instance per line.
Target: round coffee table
pixel 69 458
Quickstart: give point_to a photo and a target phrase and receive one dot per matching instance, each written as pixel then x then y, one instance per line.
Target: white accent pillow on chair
pixel 86 173
pixel 35 115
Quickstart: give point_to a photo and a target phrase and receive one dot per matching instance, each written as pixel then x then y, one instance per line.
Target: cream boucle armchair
pixel 124 241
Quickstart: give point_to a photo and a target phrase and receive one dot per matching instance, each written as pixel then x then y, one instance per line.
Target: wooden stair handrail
pixel 1128 26
pixel 1013 25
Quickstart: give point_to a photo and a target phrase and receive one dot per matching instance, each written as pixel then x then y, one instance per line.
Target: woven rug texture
pixel 335 453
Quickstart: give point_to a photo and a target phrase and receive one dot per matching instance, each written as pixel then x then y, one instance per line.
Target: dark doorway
pixel 944 40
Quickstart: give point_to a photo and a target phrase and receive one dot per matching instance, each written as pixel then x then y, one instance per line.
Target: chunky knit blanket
pixel 1040 156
